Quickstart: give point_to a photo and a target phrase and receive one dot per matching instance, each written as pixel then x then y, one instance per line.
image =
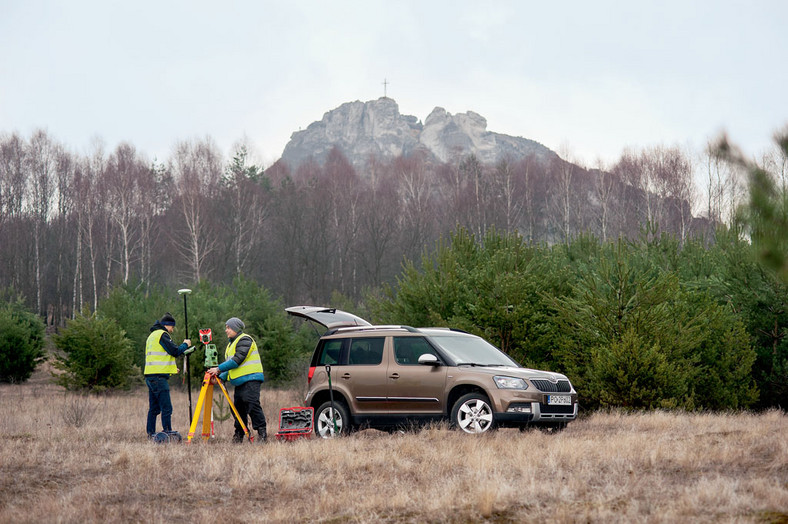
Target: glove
pixel 189 351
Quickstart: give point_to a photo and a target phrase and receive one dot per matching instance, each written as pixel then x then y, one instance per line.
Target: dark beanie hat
pixel 235 324
pixel 167 320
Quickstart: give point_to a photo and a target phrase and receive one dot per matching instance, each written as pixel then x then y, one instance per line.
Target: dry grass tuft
pixel 67 458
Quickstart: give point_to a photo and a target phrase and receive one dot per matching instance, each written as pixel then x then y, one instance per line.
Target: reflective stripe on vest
pixel 157 360
pixel 251 363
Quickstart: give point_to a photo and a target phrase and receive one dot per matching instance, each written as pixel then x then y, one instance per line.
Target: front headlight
pixel 510 383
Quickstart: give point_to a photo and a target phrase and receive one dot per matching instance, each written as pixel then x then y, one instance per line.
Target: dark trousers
pixel 158 402
pixel 247 401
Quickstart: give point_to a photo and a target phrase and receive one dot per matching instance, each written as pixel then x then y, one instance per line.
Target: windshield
pixel 467 349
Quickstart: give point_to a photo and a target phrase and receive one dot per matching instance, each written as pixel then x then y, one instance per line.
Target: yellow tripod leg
pixel 235 411
pixel 203 390
pixel 206 419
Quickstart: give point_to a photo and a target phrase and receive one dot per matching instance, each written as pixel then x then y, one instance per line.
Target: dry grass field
pixel 66 458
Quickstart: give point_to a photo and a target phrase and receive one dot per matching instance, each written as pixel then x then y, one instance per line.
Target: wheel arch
pixel 324 396
pixel 460 390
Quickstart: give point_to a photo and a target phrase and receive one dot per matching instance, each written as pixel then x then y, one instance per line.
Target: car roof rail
pixel 348 329
pixel 444 328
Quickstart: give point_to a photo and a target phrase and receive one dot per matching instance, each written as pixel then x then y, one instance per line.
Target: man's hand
pixel 188 341
pixel 213 371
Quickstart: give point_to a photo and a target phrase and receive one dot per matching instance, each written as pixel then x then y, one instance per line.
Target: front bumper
pixel 545 413
pixel 519 413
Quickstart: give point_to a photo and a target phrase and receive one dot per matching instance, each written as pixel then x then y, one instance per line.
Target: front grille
pixel 563 410
pixel 562 386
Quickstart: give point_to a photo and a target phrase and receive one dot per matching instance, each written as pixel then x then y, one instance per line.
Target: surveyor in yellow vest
pixel 160 353
pixel 244 369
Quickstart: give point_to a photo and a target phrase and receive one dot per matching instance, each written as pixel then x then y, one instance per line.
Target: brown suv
pixel 389 376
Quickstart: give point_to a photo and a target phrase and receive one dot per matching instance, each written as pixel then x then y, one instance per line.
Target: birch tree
pixel 64 242
pixel 42 187
pixel 417 203
pixel 605 192
pixel 725 186
pixel 197 171
pixel 13 191
pixel 679 189
pixel 247 209
pixel 127 177
pixel 508 193
pixel 474 172
pixel 563 203
pixel 341 184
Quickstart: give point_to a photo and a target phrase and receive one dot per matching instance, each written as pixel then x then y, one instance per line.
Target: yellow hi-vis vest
pixel 251 363
pixel 157 360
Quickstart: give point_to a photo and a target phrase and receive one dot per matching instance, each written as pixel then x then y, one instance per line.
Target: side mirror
pixel 428 359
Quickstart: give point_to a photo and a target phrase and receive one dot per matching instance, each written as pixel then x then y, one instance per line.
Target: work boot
pixel 238 439
pixel 262 438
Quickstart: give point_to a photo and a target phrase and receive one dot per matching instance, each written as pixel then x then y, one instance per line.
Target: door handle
pixel 394 375
pixel 346 375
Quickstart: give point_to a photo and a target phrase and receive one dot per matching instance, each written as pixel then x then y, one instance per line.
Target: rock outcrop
pixel 376 128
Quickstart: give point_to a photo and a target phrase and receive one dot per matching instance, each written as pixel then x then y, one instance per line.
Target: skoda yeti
pixel 393 376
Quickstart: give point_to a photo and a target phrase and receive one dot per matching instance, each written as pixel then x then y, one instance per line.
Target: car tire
pixel 323 426
pixel 473 413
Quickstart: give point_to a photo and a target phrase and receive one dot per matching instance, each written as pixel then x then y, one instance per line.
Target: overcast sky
pixel 587 77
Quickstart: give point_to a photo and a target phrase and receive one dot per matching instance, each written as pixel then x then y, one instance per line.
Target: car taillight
pixel 309 377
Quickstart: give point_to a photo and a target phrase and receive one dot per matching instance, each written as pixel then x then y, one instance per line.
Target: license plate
pixel 559 400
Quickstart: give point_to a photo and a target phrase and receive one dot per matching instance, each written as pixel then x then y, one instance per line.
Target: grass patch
pixel 72 459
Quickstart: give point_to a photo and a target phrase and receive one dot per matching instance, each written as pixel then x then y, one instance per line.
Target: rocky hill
pixel 376 128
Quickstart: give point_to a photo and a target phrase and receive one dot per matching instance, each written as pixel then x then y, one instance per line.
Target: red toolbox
pixel 295 423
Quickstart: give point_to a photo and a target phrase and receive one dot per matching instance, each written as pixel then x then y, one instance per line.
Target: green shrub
pixel 633 310
pixel 281 348
pixel 21 343
pixel 494 287
pixel 633 324
pixel 632 374
pixel 136 311
pixel 96 355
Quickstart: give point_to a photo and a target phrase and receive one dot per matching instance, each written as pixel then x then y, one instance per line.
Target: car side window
pixel 331 352
pixel 366 351
pixel 407 350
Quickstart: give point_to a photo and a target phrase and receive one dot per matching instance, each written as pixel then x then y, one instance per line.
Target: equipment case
pixel 295 423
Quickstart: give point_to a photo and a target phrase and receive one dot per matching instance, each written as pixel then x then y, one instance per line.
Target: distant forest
pixel 72 226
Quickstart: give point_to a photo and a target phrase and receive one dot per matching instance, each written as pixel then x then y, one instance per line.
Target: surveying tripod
pixel 206 397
